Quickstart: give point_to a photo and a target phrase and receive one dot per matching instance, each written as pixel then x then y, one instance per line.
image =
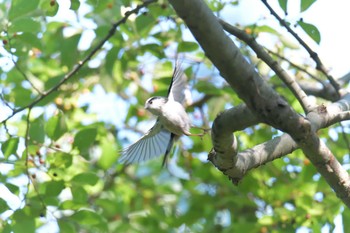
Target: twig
pixel 327 91
pixel 343 116
pixel 313 55
pixel 297 66
pixel 80 64
pixel 263 55
pixel 5 102
pixel 26 144
pixel 199 103
pixel 18 67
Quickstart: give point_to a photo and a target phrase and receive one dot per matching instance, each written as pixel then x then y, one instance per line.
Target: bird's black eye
pixel 151 101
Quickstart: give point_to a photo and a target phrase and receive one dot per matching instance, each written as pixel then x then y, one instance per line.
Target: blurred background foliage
pixel 58 166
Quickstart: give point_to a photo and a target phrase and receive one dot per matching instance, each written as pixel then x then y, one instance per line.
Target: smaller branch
pixel 263 55
pixel 236 164
pixel 224 142
pixel 296 66
pixel 343 116
pixel 26 144
pixel 19 69
pixel 255 157
pixel 313 55
pixel 345 79
pixel 199 103
pixel 326 93
pixel 5 102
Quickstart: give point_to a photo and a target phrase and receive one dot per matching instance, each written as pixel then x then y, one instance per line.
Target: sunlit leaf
pixel 346 218
pixel 53 188
pixel 74 4
pixel 13 188
pixel 50 8
pixel 24 25
pixel 144 24
pixel 283 5
pixel 60 160
pixel 79 194
pixel 3 205
pixel 311 30
pixel 86 178
pixel 305 4
pixel 56 126
pixel 84 139
pixel 36 130
pixel 66 226
pixel 10 147
pixel 109 152
pixel 187 46
pixel 22 7
pixel 87 217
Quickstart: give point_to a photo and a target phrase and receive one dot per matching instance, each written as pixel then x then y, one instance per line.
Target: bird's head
pixel 155 104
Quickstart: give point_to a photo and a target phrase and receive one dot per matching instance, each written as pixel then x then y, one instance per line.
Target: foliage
pixel 59 155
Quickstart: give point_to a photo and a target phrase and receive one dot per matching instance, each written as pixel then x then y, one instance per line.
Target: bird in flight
pixel 172 122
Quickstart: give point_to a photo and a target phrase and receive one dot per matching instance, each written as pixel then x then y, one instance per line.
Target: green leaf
pixel 36 130
pixel 60 160
pixel 74 5
pixel 305 4
pixel 54 188
pixel 69 51
pixel 87 217
pixel 346 220
pixel 144 24
pixel 9 147
pixel 22 7
pixel 21 96
pixel 84 139
pixel 66 226
pixel 56 126
pixel 24 222
pixel 49 8
pixel 283 5
pixel 3 206
pixel 79 194
pixel 187 46
pixel 311 30
pixel 30 40
pixel 13 188
pixel 24 25
pixel 86 178
pixel 109 152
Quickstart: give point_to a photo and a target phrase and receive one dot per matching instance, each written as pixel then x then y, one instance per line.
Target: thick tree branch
pixel 260 98
pixel 251 158
pixel 263 55
pixel 313 55
pixel 236 164
pixel 223 140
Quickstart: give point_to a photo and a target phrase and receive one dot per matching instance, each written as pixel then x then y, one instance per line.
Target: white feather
pixel 151 145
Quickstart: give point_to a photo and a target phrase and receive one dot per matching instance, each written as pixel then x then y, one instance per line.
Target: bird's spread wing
pixel 177 86
pixel 153 144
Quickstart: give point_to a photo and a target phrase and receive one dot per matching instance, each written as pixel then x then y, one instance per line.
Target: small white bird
pixel 172 123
